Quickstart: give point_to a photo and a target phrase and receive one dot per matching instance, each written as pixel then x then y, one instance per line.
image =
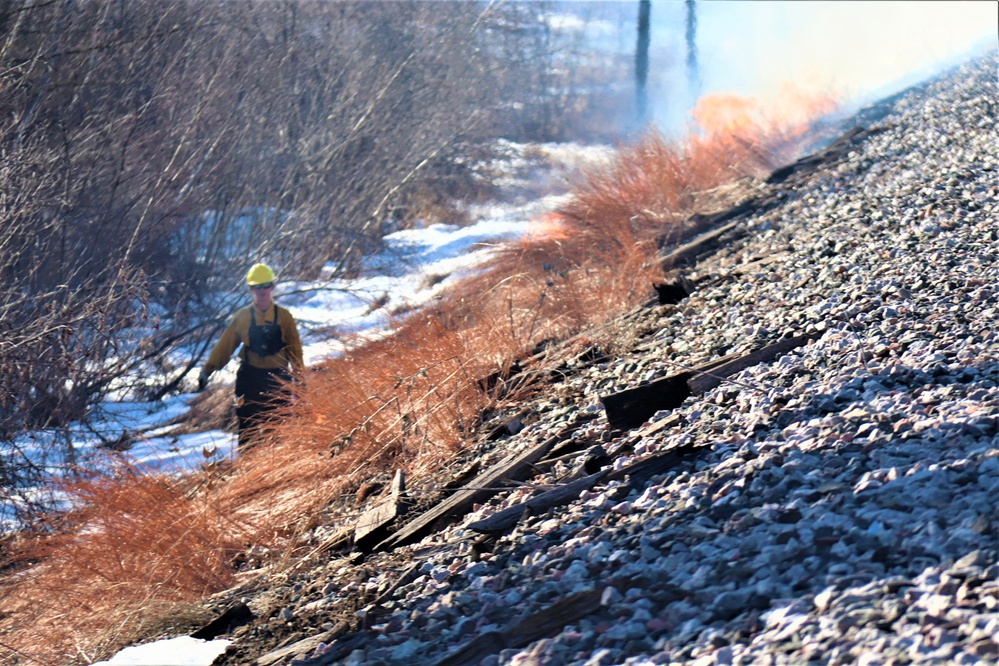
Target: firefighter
pixel 271 349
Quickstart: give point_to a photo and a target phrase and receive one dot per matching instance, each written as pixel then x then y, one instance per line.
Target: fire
pixel 789 112
pixel 549 226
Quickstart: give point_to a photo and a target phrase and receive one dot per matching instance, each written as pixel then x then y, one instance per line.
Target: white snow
pixel 180 651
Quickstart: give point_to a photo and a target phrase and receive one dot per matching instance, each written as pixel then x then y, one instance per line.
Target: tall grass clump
pixel 412 400
pixel 109 570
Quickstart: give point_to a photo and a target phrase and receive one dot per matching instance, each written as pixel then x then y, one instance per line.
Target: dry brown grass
pixel 136 544
pixel 412 400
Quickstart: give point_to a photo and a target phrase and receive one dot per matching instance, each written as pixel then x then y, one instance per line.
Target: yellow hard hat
pixel 259 274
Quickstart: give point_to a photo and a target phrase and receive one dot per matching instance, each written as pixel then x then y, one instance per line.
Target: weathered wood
pixel 641 471
pixel 552 619
pixel 371 526
pixel 343 647
pixel 235 616
pixel 303 646
pixel 630 408
pixel 653 427
pixel 706 242
pixel 480 489
pixel 526 630
pixel 475 650
pixel 834 151
pixel 638 473
pixel 503 520
pixel 708 380
pixel 408 575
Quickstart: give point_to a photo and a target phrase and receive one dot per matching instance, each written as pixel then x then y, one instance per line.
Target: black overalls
pixel 260 390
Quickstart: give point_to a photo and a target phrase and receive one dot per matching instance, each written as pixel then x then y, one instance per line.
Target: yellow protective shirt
pixel 238 333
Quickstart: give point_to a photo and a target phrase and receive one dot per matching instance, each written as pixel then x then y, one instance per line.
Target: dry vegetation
pixel 139 545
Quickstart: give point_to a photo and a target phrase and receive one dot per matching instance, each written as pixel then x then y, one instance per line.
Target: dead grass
pixel 139 543
pixel 135 544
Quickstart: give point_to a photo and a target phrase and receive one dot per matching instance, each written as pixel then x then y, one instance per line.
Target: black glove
pixel 202 380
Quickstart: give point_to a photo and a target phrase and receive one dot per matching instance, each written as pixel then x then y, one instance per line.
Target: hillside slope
pixel 837 504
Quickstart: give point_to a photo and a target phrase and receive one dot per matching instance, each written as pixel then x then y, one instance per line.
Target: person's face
pixel 262 295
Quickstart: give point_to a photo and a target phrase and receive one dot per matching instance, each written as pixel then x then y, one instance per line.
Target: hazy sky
pixel 854 50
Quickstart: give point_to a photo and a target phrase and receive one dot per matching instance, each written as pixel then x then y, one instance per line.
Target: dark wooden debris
pixel 372 526
pixel 637 473
pixel 502 521
pixel 408 575
pixel 833 152
pixel 709 379
pixel 687 254
pixel 671 293
pixel 526 630
pixel 303 647
pixel 481 488
pixel 630 408
pixel 233 617
pixel 337 651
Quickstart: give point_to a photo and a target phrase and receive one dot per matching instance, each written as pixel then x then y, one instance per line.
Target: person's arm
pixel 223 349
pixel 292 341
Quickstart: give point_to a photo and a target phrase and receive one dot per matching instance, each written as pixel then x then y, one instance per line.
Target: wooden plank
pixel 339 650
pixel 834 151
pixel 639 472
pixel 653 427
pixel 709 379
pixel 371 526
pixel 480 489
pixel 706 242
pixel 475 650
pixel 552 619
pixel 631 408
pixel 405 578
pixel 303 646
pixel 503 520
pixel 526 630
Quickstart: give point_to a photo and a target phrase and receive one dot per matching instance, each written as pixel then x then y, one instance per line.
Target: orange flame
pixel 788 112
pixel 549 226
